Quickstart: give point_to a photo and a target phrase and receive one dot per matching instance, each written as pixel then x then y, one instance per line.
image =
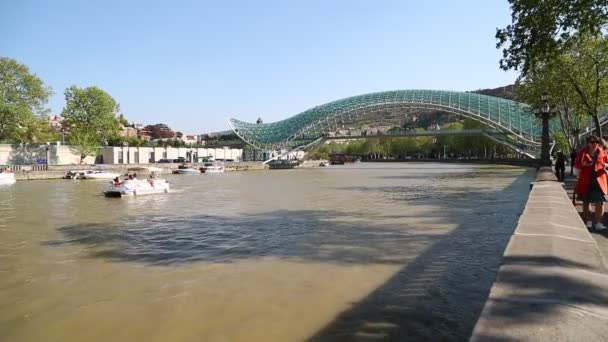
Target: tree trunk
pixel 544 148
pixel 598 127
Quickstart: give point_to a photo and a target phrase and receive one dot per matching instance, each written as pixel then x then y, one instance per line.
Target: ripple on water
pixel 424 238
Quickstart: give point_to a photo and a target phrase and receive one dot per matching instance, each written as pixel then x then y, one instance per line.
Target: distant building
pixel 160 131
pixel 56 121
pixel 190 139
pixel 128 132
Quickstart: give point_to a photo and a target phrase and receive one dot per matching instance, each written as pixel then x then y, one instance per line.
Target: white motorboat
pixel 139 187
pixel 90 174
pixel 75 174
pixel 99 174
pixel 188 171
pixel 7 178
pixel 214 167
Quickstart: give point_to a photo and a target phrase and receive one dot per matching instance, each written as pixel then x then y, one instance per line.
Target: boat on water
pixel 186 169
pixel 99 174
pixel 90 174
pixel 75 174
pixel 215 167
pixel 138 187
pixel 7 177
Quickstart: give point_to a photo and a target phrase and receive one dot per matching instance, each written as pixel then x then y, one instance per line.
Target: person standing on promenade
pixel 572 161
pixel 560 166
pixel 591 186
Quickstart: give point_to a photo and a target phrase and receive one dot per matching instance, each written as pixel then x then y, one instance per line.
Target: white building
pixel 149 155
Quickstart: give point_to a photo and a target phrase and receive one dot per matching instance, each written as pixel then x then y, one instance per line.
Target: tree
pixel 91 110
pixel 549 80
pixel 123 121
pixel 576 81
pixel 585 65
pixel 23 96
pixel 455 143
pixel 36 130
pixel 540 30
pixel 84 143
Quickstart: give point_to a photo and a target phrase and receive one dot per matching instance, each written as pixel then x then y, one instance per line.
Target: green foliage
pixel 91 110
pixel 402 147
pixel 36 130
pixel 90 113
pixel 576 81
pixel 123 121
pixel 84 143
pixel 456 143
pixel 540 30
pixel 318 155
pixel 561 142
pixel 23 96
pixel 132 141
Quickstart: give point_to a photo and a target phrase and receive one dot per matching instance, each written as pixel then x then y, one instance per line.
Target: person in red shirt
pixel 591 186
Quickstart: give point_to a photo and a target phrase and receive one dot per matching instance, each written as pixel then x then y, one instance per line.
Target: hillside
pixel 506 92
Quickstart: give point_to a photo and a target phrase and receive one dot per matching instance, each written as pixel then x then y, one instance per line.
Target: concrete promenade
pixel 553 282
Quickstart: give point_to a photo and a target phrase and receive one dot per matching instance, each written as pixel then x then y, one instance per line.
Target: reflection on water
pixel 390 251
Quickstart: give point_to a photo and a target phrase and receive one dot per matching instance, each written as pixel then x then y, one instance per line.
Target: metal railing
pixel 24 168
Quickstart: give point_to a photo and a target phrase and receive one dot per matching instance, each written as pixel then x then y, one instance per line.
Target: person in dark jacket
pixel 572 162
pixel 560 166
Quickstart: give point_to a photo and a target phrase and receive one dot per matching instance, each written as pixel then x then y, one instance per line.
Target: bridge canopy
pixel 513 118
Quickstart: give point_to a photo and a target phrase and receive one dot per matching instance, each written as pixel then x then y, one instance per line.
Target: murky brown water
pixel 384 251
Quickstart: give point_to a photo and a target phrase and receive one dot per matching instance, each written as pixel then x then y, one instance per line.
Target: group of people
pixel 592 183
pixel 133 177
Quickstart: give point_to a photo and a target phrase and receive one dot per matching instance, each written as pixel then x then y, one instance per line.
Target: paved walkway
pixel 600 237
pixel 552 284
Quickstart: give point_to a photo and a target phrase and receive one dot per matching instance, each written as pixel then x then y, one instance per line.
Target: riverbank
pixel 514 162
pixel 59 171
pixel 552 284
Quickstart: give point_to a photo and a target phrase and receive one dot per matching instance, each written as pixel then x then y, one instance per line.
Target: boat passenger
pixel 116 181
pixel 135 176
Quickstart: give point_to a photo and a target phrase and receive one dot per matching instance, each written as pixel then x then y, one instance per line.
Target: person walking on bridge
pixel 591 186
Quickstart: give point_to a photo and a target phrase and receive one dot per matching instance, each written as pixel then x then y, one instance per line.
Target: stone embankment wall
pixel 313 163
pixel 58 171
pixel 552 284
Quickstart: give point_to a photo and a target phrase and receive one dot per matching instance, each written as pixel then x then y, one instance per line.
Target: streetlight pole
pixel 48 154
pixel 545 159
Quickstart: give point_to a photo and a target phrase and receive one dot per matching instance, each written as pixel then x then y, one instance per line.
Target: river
pixel 389 251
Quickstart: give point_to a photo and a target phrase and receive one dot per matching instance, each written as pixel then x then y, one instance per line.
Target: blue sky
pixel 194 64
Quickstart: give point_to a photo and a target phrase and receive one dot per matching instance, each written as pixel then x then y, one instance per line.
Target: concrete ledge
pixel 552 284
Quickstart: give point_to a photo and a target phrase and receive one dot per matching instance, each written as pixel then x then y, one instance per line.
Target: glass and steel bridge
pixel 513 118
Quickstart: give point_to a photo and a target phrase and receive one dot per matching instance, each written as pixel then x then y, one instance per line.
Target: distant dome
pixel 259 121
